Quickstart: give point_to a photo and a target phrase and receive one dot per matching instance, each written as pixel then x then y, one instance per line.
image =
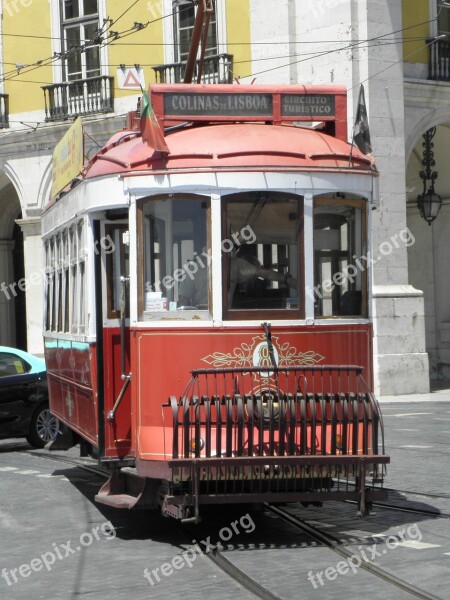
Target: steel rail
pixel 77 463
pixel 232 571
pixel 411 493
pixel 409 509
pixel 333 544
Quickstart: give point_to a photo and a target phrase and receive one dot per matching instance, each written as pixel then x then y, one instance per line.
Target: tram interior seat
pixel 256 294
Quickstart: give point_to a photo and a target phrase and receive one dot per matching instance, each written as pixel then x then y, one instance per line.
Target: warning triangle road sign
pixel 131 81
pixel 130 78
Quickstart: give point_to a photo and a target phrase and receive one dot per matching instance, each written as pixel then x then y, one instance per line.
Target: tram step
pixel 127 489
pixel 117 500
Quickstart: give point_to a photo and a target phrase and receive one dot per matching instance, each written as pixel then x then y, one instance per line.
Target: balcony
pixel 439 60
pixel 79 98
pixel 4 113
pixel 216 69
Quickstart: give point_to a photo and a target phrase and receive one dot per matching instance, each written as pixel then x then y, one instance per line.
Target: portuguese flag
pixel 151 132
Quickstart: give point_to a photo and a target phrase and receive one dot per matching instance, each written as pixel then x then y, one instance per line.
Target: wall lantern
pixel 428 203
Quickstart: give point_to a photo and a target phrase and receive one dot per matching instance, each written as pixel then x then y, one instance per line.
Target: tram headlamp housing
pixel 262 408
pixel 193 445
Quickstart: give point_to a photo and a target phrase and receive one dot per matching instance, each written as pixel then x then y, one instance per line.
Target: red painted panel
pixel 71 369
pixel 162 361
pixel 117 432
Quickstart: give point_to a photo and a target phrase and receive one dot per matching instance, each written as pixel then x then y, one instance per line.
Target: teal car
pixel 24 409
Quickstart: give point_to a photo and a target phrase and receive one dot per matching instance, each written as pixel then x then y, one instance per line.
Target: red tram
pixel 207 323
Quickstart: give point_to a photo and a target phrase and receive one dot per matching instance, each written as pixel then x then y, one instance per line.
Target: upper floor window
pixel 443 17
pixel 184 18
pixel 79 26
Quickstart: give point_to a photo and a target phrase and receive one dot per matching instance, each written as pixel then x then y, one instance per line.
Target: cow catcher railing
pixel 273 434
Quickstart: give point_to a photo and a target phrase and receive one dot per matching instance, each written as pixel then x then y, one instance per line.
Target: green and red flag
pixel 151 131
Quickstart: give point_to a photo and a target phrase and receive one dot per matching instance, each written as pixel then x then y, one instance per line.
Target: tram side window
pixel 339 245
pixel 65 296
pixel 175 258
pixel 80 306
pixel 49 282
pixel 262 261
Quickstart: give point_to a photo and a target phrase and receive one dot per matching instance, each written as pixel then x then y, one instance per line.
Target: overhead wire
pixel 376 41
pixel 351 46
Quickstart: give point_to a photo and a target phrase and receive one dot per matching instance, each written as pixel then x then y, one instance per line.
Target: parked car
pixel 24 409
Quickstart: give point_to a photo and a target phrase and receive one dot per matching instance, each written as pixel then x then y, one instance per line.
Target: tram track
pixel 333 544
pixel 215 555
pixel 219 559
pixel 76 463
pixel 407 509
pixel 231 570
pixel 423 494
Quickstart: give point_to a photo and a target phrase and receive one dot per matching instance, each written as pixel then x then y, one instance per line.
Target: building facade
pixel 63 59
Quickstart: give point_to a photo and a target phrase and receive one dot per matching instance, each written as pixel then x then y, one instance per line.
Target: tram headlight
pixel 263 410
pixel 193 445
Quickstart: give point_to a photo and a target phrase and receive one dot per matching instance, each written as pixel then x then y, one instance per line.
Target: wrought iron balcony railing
pixel 439 60
pixel 78 98
pixel 216 69
pixel 4 112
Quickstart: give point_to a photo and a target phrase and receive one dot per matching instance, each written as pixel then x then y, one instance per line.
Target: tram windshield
pixel 262 269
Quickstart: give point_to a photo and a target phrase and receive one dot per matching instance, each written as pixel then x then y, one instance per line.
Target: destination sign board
pixel 234 104
pixel 218 104
pixel 307 105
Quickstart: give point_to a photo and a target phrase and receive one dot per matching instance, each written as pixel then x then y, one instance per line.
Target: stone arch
pixel 12 305
pixel 433 118
pixel 43 195
pixel 431 248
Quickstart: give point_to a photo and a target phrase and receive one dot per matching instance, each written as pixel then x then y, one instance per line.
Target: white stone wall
pixel 329 44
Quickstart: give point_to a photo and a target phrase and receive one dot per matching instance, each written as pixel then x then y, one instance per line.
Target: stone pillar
pixel 33 282
pixel 401 365
pixel 7 306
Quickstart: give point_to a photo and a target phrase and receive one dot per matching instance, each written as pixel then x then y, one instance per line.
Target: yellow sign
pixel 68 157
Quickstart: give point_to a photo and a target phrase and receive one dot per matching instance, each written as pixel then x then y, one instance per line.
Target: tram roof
pixel 230 146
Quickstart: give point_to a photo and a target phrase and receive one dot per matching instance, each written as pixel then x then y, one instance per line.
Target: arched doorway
pixel 13 327
pixel 429 255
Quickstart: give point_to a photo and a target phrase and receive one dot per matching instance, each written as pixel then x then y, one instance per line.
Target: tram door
pixel 116 347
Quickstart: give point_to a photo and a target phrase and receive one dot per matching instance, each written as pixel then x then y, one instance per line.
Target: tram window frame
pixel 171 312
pixel 81 259
pixel 73 319
pixel 48 284
pixel 287 312
pixel 65 307
pixel 341 305
pixel 114 269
